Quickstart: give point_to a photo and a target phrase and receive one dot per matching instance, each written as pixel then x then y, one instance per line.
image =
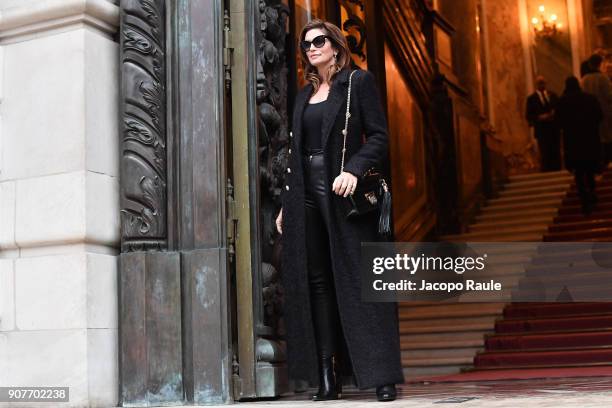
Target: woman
pixel 579 116
pixel 323 311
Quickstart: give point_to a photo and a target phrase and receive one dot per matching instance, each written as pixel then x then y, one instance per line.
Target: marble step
pixel 602 190
pixel 503 253
pixel 564 179
pixel 527 237
pixel 503 273
pixel 522 256
pixel 581 225
pixel 445 325
pixel 534 198
pixel 568 236
pixel 517 214
pixel 505 295
pixel 513 191
pixel 415 373
pixel 432 357
pixel 551 202
pixel 511 222
pixel 441 310
pixel 596 215
pixel 494 235
pixel 461 360
pixel 539 175
pixel 569 253
pixel 508 282
pixel 575 209
pixel 444 340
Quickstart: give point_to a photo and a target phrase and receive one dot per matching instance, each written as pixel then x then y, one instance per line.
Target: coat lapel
pixel 337 95
pixel 300 104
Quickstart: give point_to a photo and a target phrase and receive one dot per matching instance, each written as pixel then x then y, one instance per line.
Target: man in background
pixel 541 116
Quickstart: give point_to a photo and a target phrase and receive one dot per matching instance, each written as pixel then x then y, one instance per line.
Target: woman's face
pixel 319 57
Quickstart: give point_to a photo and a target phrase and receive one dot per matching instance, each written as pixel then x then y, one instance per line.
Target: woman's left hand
pixel 344 184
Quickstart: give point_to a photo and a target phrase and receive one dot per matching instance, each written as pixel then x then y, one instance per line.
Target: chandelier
pixel 545 27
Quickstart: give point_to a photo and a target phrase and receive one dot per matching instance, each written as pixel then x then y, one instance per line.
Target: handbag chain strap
pixel 346 119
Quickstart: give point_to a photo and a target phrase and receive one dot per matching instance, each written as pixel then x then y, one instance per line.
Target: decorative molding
pixel 143 126
pixel 272 294
pixel 48 17
pixel 273 138
pixel 354 23
pixel 403 24
pixel 272 107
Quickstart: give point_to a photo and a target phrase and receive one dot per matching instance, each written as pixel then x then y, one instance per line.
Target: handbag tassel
pixel 384 222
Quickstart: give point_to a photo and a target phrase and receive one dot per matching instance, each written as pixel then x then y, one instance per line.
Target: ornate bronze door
pixel 175 269
pixel 255 38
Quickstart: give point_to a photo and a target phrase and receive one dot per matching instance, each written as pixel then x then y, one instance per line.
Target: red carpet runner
pixel 536 340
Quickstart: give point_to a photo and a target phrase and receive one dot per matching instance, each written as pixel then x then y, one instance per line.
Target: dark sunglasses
pixel 318 42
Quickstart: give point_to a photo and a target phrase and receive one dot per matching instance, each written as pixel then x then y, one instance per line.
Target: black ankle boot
pixel 330 384
pixel 386 392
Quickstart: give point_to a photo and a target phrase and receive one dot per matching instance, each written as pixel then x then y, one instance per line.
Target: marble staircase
pixel 443 338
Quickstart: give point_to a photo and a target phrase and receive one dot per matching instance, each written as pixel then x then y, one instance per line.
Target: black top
pixel 311 126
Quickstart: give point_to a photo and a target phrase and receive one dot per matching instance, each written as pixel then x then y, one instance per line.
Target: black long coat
pixel 370 328
pixel 579 115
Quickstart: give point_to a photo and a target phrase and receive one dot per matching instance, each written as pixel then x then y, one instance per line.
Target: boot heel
pixel 386 392
pixel 337 378
pixel 330 387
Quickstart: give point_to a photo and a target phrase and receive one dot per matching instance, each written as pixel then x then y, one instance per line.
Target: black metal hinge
pixel 227 50
pixel 232 221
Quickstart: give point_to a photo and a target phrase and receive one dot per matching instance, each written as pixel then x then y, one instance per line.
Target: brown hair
pixel 338 41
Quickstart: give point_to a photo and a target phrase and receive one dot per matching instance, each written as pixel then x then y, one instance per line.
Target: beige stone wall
pixel 463 15
pixel 491 62
pixel 553 56
pixel 59 197
pixel 508 80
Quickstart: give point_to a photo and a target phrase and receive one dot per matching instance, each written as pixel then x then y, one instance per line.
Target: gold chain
pixel 346 119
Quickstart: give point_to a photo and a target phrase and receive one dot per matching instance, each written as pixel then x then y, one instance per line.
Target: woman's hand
pixel 345 184
pixel 279 222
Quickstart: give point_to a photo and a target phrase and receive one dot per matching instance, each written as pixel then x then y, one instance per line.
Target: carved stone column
pixel 150 300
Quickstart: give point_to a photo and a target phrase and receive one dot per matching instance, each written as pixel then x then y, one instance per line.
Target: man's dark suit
pixel 546 131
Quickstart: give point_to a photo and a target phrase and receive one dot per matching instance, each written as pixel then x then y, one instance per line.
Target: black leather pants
pixel 322 293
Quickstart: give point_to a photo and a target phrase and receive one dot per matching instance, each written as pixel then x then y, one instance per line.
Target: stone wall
pixel 463 15
pixel 491 61
pixel 508 83
pixel 553 56
pixel 59 201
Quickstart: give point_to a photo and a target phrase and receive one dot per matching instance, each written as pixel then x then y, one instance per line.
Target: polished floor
pixel 558 392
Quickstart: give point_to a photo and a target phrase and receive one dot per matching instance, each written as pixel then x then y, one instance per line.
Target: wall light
pixel 545 27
